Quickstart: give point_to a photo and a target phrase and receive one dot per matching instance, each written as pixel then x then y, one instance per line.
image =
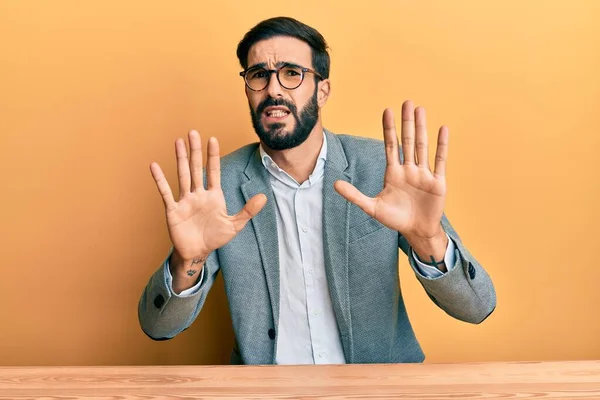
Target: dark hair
pixel 286 26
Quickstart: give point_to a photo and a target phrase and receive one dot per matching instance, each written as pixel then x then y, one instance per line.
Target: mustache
pixel 271 102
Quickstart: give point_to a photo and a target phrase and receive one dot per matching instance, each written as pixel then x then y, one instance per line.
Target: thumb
pixel 353 195
pixel 252 207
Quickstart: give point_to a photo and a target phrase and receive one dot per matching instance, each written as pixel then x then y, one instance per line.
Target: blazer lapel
pixel 265 228
pixel 335 239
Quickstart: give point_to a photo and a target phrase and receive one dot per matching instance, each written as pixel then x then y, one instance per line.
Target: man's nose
pixel 274 89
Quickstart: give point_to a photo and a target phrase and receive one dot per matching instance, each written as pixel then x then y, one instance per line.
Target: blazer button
pixel 272 334
pixel 159 301
pixel 471 271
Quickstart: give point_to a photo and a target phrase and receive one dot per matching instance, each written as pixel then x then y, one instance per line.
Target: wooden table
pixel 565 380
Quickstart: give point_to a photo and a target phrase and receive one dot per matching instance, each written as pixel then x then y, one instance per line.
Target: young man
pixel 314 277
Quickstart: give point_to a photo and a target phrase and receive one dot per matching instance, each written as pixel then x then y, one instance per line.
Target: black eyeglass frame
pixel 304 70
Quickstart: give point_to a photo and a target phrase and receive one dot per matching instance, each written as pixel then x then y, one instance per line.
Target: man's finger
pixel 252 207
pixel 441 154
pixel 390 138
pixel 353 195
pixel 213 166
pixel 183 168
pixel 421 137
pixel 196 160
pixel 408 132
pixel 163 187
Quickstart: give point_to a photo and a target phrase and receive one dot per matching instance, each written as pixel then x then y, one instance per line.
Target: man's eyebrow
pixel 289 64
pixel 259 65
pixel 278 64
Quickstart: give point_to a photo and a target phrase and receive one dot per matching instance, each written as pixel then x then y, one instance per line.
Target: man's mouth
pixel 273 114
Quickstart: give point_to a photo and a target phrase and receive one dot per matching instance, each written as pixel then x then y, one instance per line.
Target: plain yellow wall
pixel 92 92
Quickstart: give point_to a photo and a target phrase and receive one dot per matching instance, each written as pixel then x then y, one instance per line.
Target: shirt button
pixel 321 355
pixel 317 312
pixel 304 230
pixel 311 271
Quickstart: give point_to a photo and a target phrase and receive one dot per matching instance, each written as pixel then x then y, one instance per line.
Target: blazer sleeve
pixel 466 291
pixel 162 313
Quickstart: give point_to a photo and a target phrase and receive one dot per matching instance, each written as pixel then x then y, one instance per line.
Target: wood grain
pixel 521 380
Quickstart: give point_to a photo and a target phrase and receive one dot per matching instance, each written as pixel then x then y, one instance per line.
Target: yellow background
pixel 92 92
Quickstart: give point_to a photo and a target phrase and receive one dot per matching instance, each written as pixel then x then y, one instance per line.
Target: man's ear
pixel 324 89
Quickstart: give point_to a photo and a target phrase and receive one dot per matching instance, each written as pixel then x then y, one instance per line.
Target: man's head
pixel 284 106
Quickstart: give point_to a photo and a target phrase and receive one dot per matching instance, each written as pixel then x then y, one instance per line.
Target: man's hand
pixel 412 199
pixel 198 223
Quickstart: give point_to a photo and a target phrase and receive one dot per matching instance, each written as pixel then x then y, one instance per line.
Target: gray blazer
pixel 361 260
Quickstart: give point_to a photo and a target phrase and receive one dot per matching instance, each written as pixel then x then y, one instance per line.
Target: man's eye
pixel 258 75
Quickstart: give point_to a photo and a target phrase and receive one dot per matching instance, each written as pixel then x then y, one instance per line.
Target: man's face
pixel 283 118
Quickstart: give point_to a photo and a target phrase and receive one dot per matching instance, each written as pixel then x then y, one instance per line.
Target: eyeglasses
pixel 289 76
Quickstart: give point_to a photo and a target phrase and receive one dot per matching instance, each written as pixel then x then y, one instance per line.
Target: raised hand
pixel 412 199
pixel 198 222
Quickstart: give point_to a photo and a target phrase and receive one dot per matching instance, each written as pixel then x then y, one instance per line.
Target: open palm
pixel 198 223
pixel 412 199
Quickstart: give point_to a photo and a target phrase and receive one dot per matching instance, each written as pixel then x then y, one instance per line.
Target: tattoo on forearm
pixel 435 263
pixel 195 261
pixel 198 261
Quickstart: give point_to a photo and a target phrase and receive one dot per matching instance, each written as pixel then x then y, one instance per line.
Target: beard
pixel 274 136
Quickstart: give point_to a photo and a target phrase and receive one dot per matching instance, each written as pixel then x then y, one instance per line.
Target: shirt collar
pixel 278 173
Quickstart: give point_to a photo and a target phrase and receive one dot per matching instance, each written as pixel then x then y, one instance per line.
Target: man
pixel 314 277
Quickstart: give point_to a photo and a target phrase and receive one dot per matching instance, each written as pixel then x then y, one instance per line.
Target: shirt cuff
pixel 429 271
pixel 186 293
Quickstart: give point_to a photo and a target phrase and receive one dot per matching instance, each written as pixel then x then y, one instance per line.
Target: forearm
pixel 185 273
pixel 163 313
pixel 466 291
pixel 467 296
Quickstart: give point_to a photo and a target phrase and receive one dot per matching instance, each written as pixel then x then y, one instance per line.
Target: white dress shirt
pixel 307 332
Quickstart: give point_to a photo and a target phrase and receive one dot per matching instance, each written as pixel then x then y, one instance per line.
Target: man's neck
pixel 300 161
